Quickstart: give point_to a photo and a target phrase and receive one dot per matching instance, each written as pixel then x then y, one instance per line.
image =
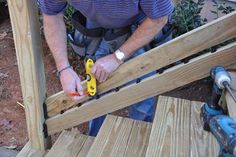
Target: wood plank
pixel 170 135
pixel 202 143
pixel 27 151
pixel 231 104
pixel 172 78
pixel 86 147
pixel 121 137
pixel 70 144
pixel 138 140
pixel 25 25
pixel 190 43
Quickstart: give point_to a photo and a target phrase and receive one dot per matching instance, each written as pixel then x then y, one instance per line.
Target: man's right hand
pixel 71 83
pixel 55 33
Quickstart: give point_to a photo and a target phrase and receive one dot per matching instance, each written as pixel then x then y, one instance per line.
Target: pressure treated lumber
pixel 121 137
pixel 71 144
pixel 170 134
pixel 28 151
pixel 231 105
pixel 172 78
pixel 25 25
pixel 203 144
pixel 190 43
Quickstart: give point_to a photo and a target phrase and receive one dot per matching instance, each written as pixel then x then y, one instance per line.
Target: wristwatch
pixel 120 55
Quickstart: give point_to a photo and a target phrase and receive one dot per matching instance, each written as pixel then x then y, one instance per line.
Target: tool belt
pixel 85 41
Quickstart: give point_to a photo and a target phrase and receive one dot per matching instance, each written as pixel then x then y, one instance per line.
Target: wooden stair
pixel 71 144
pixel 176 132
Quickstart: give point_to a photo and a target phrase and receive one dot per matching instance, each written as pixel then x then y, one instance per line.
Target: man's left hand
pixel 105 66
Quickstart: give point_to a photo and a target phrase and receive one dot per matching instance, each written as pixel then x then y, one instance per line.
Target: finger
pixel 106 76
pixel 78 97
pixel 98 73
pixel 103 76
pixel 94 69
pixel 68 87
pixel 79 87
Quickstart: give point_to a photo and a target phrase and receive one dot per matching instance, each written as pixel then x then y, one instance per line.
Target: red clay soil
pixel 13 132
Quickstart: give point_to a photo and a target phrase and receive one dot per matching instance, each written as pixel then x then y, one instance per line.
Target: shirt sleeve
pixel 52 7
pixel 156 8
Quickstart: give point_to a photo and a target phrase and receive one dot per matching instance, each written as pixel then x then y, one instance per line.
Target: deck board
pixel 70 144
pixel 170 135
pixel 121 137
pixel 203 144
pixel 176 132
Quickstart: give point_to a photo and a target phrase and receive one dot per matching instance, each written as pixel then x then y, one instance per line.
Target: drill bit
pixel 229 90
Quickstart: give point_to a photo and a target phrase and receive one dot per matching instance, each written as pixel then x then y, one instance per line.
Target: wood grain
pixel 170 134
pixel 138 140
pixel 231 104
pixel 121 137
pixel 203 144
pixel 169 80
pixel 190 43
pixel 70 144
pixel 25 25
pixel 28 151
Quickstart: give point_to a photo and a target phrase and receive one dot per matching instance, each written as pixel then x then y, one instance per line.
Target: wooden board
pixel 203 144
pixel 170 135
pixel 71 144
pixel 231 104
pixel 190 43
pixel 121 137
pixel 27 151
pixel 25 25
pixel 169 80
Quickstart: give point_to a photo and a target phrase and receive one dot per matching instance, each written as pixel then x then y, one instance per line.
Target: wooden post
pixel 25 25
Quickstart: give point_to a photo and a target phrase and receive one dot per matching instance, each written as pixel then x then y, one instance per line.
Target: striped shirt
pixel 111 13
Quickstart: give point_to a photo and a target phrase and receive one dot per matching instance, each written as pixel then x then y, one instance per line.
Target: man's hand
pixel 103 67
pixel 71 83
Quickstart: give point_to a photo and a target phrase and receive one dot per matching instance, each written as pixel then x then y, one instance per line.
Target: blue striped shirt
pixel 111 13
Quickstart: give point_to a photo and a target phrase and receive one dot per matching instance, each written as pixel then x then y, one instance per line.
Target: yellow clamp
pixel 91 80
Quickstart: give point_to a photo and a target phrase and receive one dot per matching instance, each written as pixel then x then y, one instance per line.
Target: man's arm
pixel 55 33
pixel 142 36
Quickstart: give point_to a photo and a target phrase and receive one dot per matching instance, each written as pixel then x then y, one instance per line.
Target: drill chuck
pixel 220 76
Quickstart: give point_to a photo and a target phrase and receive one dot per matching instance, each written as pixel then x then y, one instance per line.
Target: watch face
pixel 120 55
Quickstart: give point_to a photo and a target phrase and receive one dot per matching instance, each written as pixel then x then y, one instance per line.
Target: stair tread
pixel 121 137
pixel 177 131
pixel 71 144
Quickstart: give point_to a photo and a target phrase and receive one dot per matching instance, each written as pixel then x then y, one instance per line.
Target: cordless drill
pixel 221 126
pixel 212 109
pixel 224 129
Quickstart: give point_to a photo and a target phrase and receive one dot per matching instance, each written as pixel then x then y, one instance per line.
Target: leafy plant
pixel 221 8
pixel 187 16
pixel 67 16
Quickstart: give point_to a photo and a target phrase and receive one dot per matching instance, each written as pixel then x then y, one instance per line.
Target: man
pixel 108 14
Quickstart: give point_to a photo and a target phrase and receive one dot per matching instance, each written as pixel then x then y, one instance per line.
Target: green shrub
pixel 67 16
pixel 187 16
